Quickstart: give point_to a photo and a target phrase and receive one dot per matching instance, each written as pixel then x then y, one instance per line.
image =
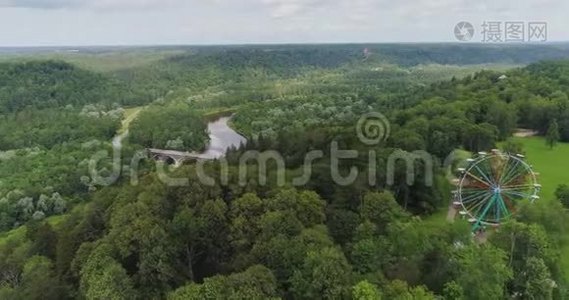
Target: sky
pixel 189 22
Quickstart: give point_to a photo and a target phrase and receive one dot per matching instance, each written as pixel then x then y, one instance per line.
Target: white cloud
pixel 246 21
pixel 91 4
pixel 291 8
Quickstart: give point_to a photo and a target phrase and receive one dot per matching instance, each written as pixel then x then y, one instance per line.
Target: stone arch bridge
pixel 176 158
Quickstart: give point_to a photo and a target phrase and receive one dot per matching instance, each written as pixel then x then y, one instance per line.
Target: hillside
pixel 303 229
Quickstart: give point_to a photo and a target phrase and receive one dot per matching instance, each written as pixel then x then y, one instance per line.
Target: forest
pixel 65 236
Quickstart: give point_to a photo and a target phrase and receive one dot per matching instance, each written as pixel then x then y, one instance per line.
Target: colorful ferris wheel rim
pixel 493 184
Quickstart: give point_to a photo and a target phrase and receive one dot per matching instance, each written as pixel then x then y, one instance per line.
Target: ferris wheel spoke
pixel 485 183
pixel 516 179
pixel 490 181
pixel 515 173
pixel 501 208
pixel 509 204
pixel 517 187
pixel 497 211
pixel 475 196
pixel 476 185
pixel 495 174
pixel 487 171
pixel 510 176
pixel 507 169
pixel 487 207
pixel 518 195
pixel 475 208
pixel 474 190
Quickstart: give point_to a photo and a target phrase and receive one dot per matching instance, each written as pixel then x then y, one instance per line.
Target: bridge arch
pixel 172 157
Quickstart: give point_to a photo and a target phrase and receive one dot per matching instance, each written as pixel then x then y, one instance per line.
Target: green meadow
pixel 551 164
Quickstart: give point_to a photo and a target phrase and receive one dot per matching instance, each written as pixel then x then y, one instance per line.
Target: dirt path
pixel 130 115
pixel 452 213
pixel 520 132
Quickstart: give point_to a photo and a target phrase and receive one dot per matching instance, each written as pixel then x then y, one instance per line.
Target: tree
pixel 562 194
pixel 59 204
pixel 453 291
pixel 342 224
pixel 102 277
pixel 257 282
pixel 44 239
pixel 246 213
pixel 531 256
pixel 504 116
pixel 325 273
pixel 172 126
pixel 7 292
pixel 365 291
pixel 400 290
pixel 513 147
pixel 39 280
pixel 307 205
pixel 479 137
pixel 282 222
pixel 381 209
pixel 536 282
pixel 367 255
pixel 201 233
pixel 192 291
pixel 484 267
pixel 284 255
pixel 552 136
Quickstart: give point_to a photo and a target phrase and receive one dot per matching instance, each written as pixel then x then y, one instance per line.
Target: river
pixel 221 138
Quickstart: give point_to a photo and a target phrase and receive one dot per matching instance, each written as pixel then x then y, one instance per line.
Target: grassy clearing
pixel 552 168
pixel 20 232
pixel 551 164
pixel 129 115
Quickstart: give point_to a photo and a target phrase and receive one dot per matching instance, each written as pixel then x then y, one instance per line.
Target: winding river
pixel 221 137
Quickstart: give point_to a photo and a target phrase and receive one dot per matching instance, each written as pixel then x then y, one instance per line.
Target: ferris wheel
pixel 492 185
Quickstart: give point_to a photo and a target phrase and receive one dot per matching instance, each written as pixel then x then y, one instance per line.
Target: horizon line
pixel 281 44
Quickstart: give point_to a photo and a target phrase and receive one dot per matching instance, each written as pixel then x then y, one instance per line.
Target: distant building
pixel 366 53
pixel 502 77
